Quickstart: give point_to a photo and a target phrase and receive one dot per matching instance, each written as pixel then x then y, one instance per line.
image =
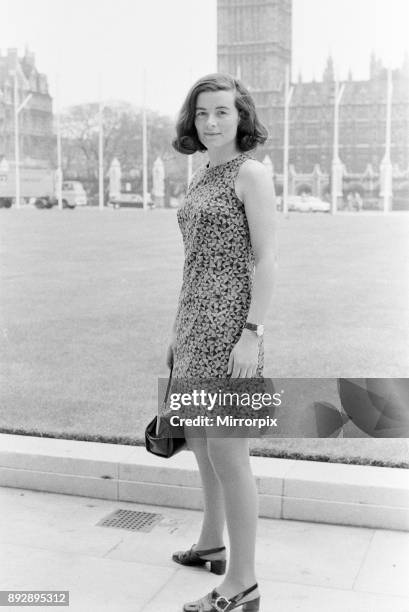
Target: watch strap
pixel 258 329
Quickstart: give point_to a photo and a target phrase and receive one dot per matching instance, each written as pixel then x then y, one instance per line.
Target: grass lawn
pixel 88 298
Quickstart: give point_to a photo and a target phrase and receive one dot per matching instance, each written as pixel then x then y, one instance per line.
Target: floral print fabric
pixel 217 275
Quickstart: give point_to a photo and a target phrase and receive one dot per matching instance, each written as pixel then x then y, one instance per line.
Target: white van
pixel 73 194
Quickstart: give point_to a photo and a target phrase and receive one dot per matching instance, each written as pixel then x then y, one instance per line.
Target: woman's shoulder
pixel 251 167
pixel 252 170
pixel 252 173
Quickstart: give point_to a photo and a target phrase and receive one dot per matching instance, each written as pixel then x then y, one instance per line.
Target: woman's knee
pixel 195 441
pixel 228 456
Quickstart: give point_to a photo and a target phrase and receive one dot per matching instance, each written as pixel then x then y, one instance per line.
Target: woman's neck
pixel 217 157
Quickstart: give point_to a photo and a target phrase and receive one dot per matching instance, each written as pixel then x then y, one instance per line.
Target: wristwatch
pixel 259 329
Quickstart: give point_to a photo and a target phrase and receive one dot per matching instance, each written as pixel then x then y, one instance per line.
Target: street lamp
pixel 386 164
pixel 144 145
pixel 100 147
pixel 58 174
pixel 289 89
pixel 337 167
pixel 189 157
pixel 17 110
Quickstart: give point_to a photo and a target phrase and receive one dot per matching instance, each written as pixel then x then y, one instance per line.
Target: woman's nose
pixel 211 121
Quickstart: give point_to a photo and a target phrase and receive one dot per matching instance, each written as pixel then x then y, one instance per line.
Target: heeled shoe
pixel 218 603
pixel 194 558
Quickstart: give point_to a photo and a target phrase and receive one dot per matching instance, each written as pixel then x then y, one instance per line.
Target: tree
pixel 122 126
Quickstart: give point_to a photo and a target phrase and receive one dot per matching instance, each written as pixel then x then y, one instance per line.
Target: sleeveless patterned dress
pixel 217 276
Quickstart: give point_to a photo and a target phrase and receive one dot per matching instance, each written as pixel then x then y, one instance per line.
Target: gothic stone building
pixel 35 119
pixel 254 42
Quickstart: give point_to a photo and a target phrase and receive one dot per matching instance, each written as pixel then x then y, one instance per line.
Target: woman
pixel 227 224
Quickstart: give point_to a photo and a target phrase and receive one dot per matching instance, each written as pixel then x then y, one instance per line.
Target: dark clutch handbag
pixel 160 438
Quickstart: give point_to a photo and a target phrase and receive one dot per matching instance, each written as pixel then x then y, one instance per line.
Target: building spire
pixel 372 65
pixel 328 74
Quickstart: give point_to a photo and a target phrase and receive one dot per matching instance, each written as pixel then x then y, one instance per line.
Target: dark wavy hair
pixel 250 130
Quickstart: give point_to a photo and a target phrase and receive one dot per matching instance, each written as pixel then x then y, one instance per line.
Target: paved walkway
pixel 52 541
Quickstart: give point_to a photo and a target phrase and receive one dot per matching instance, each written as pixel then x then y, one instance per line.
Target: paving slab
pixel 94 583
pixel 53 541
pixel 277 597
pixel 387 559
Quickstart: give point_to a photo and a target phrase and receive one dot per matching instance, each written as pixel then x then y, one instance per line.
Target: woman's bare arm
pixel 255 188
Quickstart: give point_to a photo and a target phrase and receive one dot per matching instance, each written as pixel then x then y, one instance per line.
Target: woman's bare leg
pixel 211 535
pixel 231 461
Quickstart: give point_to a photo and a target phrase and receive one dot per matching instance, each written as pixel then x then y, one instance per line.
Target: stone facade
pixel 362 123
pixel 36 119
pixel 254 42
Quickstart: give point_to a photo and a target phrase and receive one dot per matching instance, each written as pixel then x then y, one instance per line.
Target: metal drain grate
pixel 132 520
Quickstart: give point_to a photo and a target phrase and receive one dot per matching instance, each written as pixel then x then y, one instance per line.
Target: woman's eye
pixel 200 113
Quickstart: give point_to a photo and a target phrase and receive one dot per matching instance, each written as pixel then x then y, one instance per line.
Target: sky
pixel 105 46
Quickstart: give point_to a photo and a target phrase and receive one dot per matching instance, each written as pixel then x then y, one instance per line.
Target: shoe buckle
pixel 222 599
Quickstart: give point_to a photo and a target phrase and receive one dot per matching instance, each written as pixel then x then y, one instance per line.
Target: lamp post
pixel 337 168
pixel 59 175
pixel 189 157
pixel 100 148
pixel 287 100
pixel 17 110
pixel 386 164
pixel 144 146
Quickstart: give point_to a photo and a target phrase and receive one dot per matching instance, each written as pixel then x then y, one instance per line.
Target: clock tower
pixel 254 44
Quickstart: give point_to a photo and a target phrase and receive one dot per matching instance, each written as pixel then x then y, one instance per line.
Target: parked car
pixel 129 200
pixel 307 204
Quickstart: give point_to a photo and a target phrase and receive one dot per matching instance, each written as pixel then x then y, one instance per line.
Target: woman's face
pixel 216 118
